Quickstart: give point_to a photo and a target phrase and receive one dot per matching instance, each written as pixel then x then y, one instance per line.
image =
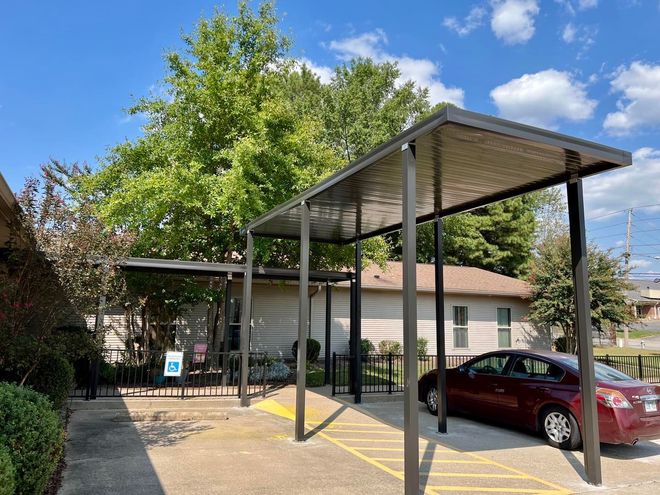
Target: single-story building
pixel 483 311
pixel 644 298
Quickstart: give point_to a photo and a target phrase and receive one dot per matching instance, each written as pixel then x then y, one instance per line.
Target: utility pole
pixel 626 257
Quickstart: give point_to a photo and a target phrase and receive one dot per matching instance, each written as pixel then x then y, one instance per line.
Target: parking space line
pixel 439 461
pixel 454 488
pixel 372 449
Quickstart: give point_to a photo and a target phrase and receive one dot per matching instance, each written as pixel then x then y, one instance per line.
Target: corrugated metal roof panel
pixel 464 160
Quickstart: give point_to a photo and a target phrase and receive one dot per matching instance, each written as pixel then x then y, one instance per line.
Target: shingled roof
pixel 457 280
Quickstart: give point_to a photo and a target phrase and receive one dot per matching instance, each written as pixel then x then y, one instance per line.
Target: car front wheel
pixel 432 400
pixel 560 428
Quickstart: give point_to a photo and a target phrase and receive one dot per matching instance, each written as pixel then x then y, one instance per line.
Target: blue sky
pixel 590 68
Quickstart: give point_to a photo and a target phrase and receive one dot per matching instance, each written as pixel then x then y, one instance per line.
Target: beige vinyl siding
pixel 191 327
pixel 116 327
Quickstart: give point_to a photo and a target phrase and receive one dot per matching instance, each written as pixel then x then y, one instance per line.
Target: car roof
pixel 532 352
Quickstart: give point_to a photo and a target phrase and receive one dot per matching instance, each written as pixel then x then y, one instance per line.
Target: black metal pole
pixel 328 331
pixel 590 437
pixel 440 326
pixel 358 321
pixel 409 259
pixel 351 339
pixel 303 322
pixel 227 332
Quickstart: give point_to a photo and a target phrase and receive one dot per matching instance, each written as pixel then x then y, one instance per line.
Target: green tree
pixel 553 303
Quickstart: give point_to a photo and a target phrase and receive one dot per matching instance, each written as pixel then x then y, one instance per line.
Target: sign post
pixel 173 363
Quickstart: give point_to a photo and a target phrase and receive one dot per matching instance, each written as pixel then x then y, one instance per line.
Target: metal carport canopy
pixel 451 162
pixel 464 160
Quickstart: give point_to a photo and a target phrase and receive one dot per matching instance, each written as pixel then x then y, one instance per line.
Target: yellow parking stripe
pixel 439 461
pixel 452 488
pixel 326 429
pixel 332 430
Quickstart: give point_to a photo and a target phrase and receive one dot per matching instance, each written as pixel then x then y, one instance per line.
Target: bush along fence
pixel 644 368
pixel 382 373
pixel 126 373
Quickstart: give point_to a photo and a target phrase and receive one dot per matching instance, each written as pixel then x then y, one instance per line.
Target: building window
pixel 460 326
pixel 504 327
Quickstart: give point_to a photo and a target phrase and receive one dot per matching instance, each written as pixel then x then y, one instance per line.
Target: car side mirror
pixel 461 369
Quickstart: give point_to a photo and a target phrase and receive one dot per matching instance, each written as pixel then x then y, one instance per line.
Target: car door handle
pixel 499 390
pixel 543 389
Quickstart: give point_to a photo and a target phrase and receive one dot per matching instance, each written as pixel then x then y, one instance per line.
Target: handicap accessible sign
pixel 173 363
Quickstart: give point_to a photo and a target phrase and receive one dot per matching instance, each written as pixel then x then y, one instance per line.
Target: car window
pixel 602 371
pixel 527 367
pixel 491 365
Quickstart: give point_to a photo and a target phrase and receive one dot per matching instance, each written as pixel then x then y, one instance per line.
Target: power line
pixel 621 211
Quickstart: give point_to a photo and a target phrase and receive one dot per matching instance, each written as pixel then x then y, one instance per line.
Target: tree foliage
pixel 553 301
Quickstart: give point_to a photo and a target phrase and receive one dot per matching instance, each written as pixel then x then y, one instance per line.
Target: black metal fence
pixel 645 368
pixel 382 373
pixel 125 373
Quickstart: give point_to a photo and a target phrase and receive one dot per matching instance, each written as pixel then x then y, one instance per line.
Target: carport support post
pixel 409 259
pixel 440 326
pixel 303 322
pixel 328 331
pixel 590 437
pixel 357 343
pixel 245 320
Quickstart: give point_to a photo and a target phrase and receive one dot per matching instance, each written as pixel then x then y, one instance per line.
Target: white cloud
pixel 423 72
pixel 471 22
pixel 513 20
pixel 568 35
pixel 323 72
pixel 543 98
pixel 625 188
pixel 583 36
pixel 639 104
pixel 640 263
pixel 587 4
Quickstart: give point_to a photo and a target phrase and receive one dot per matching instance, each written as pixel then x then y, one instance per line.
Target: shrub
pixel 313 350
pixel 53 377
pixel 389 347
pixel 314 377
pixel 560 344
pixel 7 473
pixel 33 433
pixel 366 346
pixel 276 372
pixel 422 346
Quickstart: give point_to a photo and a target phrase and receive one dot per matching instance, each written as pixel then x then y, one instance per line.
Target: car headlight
pixel 612 398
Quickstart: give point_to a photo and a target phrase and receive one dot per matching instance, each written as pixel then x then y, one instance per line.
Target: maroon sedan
pixel 539 390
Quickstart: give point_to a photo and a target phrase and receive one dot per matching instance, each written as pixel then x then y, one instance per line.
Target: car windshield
pixel 603 372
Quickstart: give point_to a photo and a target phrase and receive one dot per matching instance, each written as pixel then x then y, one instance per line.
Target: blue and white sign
pixel 173 363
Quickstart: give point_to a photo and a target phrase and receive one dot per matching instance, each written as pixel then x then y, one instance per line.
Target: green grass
pixel 636 334
pixel 624 351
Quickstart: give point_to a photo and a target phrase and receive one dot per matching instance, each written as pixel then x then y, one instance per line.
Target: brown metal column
pixel 440 327
pixel 409 259
pixel 590 436
pixel 245 320
pixel 303 322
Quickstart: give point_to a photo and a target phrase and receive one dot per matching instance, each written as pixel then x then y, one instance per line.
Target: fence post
pixel 263 376
pixel 607 359
pixel 334 372
pixel 639 363
pixel 390 373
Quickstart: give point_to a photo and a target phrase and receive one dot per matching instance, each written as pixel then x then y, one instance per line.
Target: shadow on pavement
pixel 109 456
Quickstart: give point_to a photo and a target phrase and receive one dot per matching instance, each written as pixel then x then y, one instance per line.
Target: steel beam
pixel 328 331
pixel 590 437
pixel 358 322
pixel 409 259
pixel 351 337
pixel 303 322
pixel 440 326
pixel 245 319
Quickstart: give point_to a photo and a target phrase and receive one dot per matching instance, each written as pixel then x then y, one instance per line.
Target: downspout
pixel 319 287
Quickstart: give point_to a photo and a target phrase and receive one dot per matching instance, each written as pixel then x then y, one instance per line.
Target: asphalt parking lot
pixel 220 448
